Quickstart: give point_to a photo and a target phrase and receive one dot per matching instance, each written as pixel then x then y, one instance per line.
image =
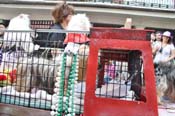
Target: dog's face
pixel 21 22
pixel 79 22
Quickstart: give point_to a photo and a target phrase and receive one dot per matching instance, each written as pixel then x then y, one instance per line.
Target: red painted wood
pixel 120 33
pixel 120 39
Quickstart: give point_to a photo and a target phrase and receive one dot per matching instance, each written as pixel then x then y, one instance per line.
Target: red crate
pixel 120 39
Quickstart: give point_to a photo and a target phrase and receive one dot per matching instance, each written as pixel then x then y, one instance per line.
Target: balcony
pixel 161 4
pixel 145 13
pixel 150 4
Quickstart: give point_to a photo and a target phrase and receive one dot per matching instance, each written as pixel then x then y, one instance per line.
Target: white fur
pixel 9 60
pixel 34 72
pixel 20 39
pixel 79 22
pixel 20 22
pixel 39 94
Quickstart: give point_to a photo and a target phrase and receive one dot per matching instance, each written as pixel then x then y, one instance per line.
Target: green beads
pixel 65 101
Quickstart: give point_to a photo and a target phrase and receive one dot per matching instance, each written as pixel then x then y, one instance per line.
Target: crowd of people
pixel 162 48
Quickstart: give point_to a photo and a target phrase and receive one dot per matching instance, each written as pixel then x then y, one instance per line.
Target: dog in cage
pixel 17 42
pixel 40 73
pixel 78 42
pixel 166 82
pixel 19 34
pixel 36 73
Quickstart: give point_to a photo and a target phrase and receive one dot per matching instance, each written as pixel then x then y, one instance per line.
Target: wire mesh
pixel 121 75
pixel 29 73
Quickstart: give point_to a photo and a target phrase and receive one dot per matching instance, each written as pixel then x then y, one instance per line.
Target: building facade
pixel 158 14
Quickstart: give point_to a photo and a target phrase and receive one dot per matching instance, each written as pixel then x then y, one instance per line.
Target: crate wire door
pixel 120 40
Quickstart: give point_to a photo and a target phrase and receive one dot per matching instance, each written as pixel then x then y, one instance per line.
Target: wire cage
pixel 24 68
pixel 31 67
pixel 117 77
pixel 35 73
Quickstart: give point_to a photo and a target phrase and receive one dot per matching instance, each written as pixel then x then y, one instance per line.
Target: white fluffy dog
pixel 76 41
pixel 19 34
pixel 79 22
pixel 36 73
pixel 41 73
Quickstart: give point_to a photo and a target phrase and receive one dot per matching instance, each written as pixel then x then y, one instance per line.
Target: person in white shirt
pixel 164 51
pixel 158 38
pixel 153 39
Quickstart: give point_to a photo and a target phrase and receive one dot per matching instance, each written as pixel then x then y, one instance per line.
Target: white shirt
pixel 163 54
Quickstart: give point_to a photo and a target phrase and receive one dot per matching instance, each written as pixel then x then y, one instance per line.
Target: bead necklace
pixel 64 103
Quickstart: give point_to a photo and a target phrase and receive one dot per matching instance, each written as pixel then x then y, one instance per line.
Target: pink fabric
pixel 110 70
pixel 76 38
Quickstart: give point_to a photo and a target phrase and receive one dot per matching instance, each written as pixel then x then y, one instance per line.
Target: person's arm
pixel 155 49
